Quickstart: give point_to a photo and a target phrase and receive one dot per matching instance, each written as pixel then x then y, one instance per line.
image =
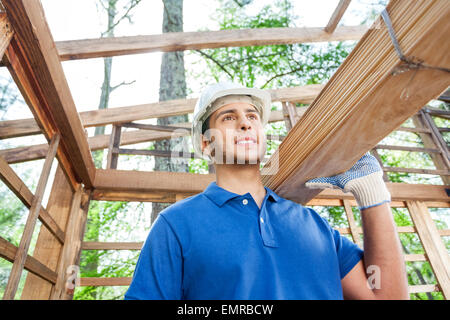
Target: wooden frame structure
pixel 34 60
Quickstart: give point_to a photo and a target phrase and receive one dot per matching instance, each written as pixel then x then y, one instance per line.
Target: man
pixel 240 240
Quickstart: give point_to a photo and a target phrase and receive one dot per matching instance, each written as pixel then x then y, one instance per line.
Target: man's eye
pixel 252 116
pixel 227 118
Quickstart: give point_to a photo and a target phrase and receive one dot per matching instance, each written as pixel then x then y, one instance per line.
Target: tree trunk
pixel 172 86
pixel 93 221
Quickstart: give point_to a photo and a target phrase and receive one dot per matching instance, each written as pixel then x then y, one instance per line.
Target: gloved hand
pixel 364 180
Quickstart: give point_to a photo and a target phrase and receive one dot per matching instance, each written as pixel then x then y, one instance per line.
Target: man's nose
pixel 244 123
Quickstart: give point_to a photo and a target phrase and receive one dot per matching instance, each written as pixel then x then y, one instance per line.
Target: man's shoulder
pixel 185 206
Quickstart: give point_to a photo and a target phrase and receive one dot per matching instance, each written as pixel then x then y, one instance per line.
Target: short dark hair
pixel 205 125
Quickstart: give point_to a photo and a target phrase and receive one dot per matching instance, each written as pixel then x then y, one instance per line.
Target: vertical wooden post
pixel 436 135
pixel 48 248
pixel 377 156
pixel 429 142
pixel 68 264
pixel 351 222
pixel 22 252
pixel 114 144
pixel 290 115
pixel 432 243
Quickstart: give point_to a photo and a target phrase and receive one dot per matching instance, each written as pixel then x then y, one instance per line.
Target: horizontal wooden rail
pixel 143 182
pixel 8 252
pixel 24 127
pixel 126 281
pixel 407 148
pixel 91 245
pixel 423 288
pixel 178 41
pixel 100 282
pixel 420 171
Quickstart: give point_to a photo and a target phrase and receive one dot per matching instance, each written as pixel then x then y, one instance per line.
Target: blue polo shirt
pixel 220 245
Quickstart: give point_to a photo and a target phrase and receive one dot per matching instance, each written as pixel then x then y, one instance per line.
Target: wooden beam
pixel 6 33
pixel 37 70
pixel 35 152
pixel 70 255
pixel 8 251
pixel 91 245
pixel 419 171
pixel 352 223
pixel 337 15
pixel 24 127
pixel 432 243
pixel 423 288
pixel 114 142
pixel 177 41
pixel 16 185
pixel 97 282
pixel 47 249
pixel 365 101
pixel 22 252
pixel 191 183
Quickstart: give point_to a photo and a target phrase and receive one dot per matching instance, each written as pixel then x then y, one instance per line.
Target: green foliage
pixel 269 66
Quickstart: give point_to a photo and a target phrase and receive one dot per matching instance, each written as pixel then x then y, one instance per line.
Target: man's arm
pixel 382 267
pixel 382 264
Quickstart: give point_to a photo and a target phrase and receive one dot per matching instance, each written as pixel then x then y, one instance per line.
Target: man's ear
pixel 205 143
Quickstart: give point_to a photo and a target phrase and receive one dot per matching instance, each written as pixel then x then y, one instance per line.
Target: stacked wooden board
pixel 364 101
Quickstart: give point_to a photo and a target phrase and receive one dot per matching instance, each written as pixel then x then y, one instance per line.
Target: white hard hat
pixel 203 109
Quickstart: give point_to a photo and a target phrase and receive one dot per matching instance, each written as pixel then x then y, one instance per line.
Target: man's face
pixel 236 135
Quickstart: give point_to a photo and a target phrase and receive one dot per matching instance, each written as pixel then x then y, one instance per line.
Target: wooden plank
pixel 364 93
pixel 415 257
pixel 416 170
pixel 114 142
pixel 351 222
pixel 176 182
pixel 177 41
pixel 139 196
pixel 413 130
pixel 91 245
pixel 35 152
pixel 99 282
pixel 407 148
pixel 157 153
pixel 47 249
pixel 423 288
pixel 375 153
pixel 432 243
pixel 437 137
pixel 70 255
pixel 153 127
pixel 24 127
pixel 33 58
pixel 439 160
pixel 191 183
pixel 16 185
pixel 8 251
pixel 337 15
pixel 22 252
pixel 6 33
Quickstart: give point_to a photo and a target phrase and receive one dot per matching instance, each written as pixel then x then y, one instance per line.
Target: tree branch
pixel 216 62
pixel 281 75
pixel 133 4
pixel 123 83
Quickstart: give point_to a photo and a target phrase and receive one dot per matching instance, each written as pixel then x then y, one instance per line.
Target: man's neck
pixel 240 179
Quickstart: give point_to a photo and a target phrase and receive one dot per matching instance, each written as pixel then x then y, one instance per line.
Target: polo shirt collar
pixel 219 195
